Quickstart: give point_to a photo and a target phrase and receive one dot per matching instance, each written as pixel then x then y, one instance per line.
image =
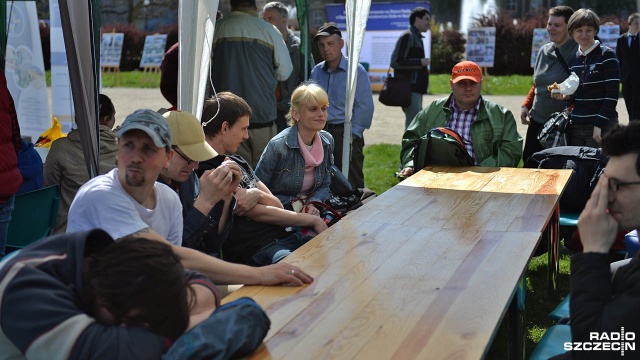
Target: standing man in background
pixel 277 14
pixel 408 60
pixel 628 54
pixel 248 59
pixel 331 74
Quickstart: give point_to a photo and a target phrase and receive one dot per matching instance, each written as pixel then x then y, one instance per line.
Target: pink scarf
pixel 312 158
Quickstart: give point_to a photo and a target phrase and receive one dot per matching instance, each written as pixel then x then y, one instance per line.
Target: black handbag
pixel 555 129
pixel 396 91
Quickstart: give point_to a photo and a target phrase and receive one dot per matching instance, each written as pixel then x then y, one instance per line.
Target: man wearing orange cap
pixel 487 129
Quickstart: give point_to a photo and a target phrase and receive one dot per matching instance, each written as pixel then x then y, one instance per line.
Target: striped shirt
pixel 461 121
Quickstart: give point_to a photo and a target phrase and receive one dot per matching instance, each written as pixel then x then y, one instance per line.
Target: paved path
pixel 388 122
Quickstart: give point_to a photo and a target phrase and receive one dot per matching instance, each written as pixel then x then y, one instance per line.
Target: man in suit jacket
pixel 628 53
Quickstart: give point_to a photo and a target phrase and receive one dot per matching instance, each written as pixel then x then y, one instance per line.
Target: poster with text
pixel 540 37
pixel 385 24
pixel 609 35
pixel 481 46
pixel 111 49
pixel 24 69
pixel 154 49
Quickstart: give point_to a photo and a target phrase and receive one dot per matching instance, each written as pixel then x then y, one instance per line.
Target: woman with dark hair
pixel 549 68
pixel 65 164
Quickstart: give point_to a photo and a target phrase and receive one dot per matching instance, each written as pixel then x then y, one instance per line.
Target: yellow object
pixel 48 136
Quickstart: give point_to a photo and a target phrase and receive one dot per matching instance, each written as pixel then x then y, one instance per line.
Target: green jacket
pixel 494 134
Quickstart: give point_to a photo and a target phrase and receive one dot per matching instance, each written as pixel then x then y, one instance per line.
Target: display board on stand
pixel 152 54
pixel 110 54
pixel 481 49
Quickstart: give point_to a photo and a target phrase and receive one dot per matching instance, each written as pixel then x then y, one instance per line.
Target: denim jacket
pixel 281 167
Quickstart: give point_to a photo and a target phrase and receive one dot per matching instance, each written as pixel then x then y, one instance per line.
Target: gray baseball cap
pixel 149 121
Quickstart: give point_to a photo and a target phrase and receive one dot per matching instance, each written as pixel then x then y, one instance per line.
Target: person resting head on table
pixel 128 202
pixel 488 130
pixel 81 295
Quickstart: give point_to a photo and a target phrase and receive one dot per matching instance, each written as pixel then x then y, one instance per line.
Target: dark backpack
pixel 554 131
pixel 440 146
pixel 587 164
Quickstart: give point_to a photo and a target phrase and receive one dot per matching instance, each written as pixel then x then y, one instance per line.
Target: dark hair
pixel 228 106
pixel 237 4
pixel 584 17
pixel 106 106
pixel 417 12
pixel 622 140
pixel 141 275
pixel 564 11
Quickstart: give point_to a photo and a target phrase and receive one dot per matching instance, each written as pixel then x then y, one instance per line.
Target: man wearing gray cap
pixel 331 74
pixel 128 202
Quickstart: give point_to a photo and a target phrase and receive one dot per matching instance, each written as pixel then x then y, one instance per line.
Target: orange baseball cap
pixel 466 70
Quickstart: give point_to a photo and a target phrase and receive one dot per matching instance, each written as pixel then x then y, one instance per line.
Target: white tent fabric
pixel 356 26
pixel 196 21
pixel 77 22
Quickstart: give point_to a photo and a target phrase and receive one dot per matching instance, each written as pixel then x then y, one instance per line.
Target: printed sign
pixel 609 35
pixel 111 49
pixel 540 37
pixel 481 46
pixel 154 49
pixel 24 68
pixel 385 24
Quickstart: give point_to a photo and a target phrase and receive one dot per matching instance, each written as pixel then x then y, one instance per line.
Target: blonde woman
pixel 297 162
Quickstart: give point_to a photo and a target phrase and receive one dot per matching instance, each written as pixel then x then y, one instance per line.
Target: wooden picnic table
pixel 427 270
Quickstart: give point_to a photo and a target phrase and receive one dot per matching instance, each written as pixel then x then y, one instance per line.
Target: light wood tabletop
pixel 425 270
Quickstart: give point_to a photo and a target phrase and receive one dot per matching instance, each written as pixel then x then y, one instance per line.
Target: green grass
pixel 382 161
pixel 438 83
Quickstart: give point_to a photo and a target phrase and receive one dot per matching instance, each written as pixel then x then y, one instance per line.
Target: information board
pixel 540 37
pixel 111 49
pixel 385 24
pixel 154 49
pixel 481 46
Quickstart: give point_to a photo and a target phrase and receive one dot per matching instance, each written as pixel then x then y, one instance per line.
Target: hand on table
pixel 406 172
pixel 283 273
pixel 597 227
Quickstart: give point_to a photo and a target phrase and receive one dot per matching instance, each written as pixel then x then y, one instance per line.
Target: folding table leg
pixel 552 235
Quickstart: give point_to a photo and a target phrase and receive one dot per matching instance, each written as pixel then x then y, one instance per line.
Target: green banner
pixel 302 11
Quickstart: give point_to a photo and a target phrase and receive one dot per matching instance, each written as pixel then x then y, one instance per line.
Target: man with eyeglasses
pixel 128 202
pixel 602 303
pixel 205 212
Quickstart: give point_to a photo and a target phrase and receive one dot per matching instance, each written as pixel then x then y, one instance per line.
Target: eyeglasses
pixel 189 161
pixel 614 184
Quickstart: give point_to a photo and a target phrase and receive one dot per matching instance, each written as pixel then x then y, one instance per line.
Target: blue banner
pixel 382 16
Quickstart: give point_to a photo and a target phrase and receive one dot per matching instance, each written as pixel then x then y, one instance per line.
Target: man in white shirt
pixel 128 202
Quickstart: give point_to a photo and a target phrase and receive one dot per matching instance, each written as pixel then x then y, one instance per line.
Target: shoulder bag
pixel 396 91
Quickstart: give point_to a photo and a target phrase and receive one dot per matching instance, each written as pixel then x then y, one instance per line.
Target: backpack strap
pixel 561 60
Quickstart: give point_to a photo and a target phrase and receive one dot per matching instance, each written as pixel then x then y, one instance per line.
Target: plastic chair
pixel 631 242
pixel 552 342
pixel 561 311
pixel 33 217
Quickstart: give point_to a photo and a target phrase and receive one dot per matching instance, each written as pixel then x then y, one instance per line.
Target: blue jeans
pixel 278 249
pixel 412 110
pixel 6 209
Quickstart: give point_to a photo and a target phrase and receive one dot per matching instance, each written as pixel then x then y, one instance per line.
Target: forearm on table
pixel 278 216
pixel 218 271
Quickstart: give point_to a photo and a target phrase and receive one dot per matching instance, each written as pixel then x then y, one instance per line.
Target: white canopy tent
pixel 196 27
